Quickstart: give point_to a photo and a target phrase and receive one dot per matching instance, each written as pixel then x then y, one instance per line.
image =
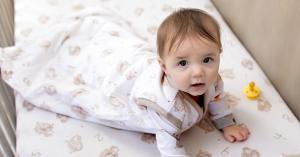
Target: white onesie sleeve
pixel 221 113
pixel 168 145
pixel 166 140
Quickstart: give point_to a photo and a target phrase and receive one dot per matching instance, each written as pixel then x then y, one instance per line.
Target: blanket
pixel 64 68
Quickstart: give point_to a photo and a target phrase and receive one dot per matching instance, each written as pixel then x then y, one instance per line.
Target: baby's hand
pixel 236 133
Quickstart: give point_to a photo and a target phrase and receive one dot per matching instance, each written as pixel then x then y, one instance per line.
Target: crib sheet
pixel 274 129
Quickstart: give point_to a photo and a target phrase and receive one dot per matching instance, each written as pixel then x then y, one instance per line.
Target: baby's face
pixel 193 66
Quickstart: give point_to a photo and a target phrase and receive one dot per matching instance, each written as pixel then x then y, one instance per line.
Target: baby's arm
pixel 222 117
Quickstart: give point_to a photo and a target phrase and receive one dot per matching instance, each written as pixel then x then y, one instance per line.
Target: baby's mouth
pixel 197 86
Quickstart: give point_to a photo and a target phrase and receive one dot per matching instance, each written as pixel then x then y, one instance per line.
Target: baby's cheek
pixel 212 78
pixel 179 80
pixel 182 82
pixel 175 83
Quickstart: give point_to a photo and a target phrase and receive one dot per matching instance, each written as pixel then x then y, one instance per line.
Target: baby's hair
pixel 183 23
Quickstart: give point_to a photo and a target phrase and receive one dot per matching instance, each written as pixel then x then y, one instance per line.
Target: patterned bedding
pixel 40 133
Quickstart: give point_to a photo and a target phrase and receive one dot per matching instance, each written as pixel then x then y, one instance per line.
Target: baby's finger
pixel 239 137
pixel 244 130
pixel 230 138
pixel 243 126
pixel 244 135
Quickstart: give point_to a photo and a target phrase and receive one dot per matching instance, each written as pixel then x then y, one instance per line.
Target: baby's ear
pixel 162 65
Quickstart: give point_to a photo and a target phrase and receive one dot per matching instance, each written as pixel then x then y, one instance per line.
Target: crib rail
pixel 7 106
pixel 6 23
pixel 7 121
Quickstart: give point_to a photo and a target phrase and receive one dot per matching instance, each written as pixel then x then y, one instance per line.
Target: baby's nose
pixel 197 71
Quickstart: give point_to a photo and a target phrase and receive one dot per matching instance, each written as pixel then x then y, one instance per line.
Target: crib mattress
pixel 274 129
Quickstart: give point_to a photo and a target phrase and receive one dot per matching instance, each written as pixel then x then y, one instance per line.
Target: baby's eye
pixel 208 60
pixel 182 63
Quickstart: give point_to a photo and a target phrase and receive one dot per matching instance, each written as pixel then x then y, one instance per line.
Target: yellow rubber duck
pixel 251 91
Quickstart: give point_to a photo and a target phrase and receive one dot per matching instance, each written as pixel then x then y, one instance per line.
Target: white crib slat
pixel 5 149
pixel 7 22
pixel 7 121
pixel 7 107
pixel 7 99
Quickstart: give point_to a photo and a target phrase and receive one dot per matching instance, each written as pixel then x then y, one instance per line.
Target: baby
pixel 174 92
pixel 124 85
pixel 189 47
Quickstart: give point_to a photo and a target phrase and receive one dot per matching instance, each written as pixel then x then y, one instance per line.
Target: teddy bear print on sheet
pixel 28 106
pixel 135 14
pixel 75 143
pixel 203 153
pixel 44 129
pixel 113 151
pixel 248 152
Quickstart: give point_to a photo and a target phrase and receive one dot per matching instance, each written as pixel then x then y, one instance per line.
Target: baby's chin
pixel 194 93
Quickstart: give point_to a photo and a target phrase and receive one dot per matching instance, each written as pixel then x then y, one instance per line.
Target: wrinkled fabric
pixel 92 66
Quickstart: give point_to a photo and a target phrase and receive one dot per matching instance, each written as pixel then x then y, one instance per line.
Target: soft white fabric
pixel 274 129
pixel 166 144
pixel 92 63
